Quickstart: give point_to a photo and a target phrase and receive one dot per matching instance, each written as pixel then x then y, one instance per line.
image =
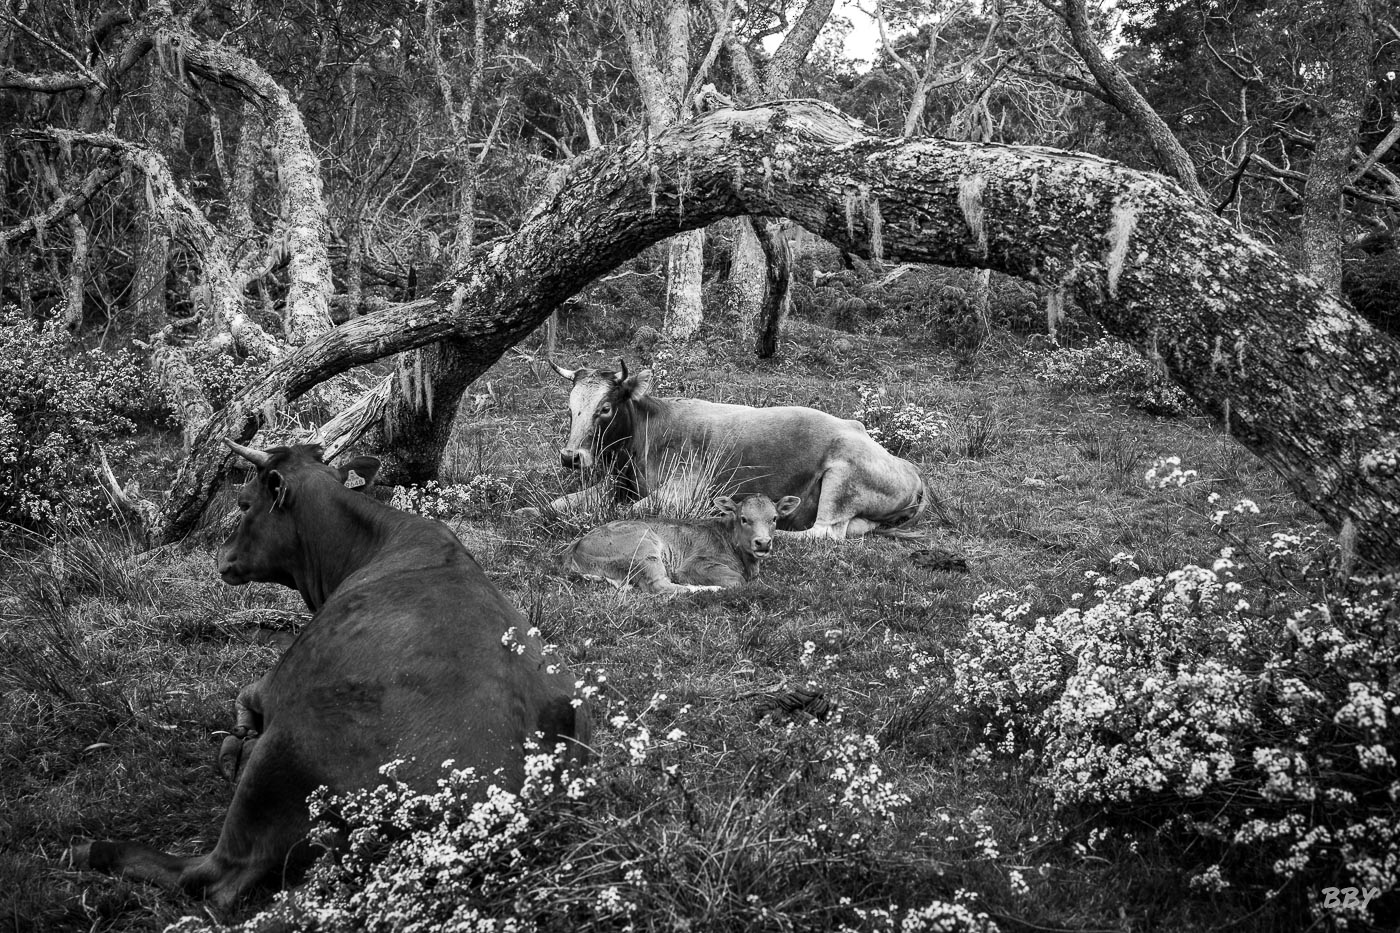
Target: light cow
pixel 670 557
pixel 404 659
pixel 667 450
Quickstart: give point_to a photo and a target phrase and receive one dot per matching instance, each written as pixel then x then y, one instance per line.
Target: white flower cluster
pixel 1168 692
pixel 859 776
pixel 933 917
pixel 901 429
pixel 452 500
pixel 1167 472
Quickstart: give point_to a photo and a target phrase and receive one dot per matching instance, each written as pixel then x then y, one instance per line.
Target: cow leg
pixel 591 498
pixel 844 500
pixel 705 573
pixel 238 745
pixel 263 835
pixel 650 574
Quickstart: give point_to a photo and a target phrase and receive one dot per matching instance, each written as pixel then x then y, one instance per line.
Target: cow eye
pixel 605 411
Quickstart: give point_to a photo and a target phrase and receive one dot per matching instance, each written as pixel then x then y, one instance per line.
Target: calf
pixel 665 556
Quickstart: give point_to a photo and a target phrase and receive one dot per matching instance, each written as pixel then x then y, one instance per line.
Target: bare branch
pixel 67 204
pixel 1381 149
pixel 739 57
pixel 83 70
pixel 716 43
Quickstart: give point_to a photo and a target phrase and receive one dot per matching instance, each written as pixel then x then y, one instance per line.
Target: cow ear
pixel 726 505
pixel 277 485
pixel 359 473
pixel 787 505
pixel 638 385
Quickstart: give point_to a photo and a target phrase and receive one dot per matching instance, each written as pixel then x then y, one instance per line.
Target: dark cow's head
pixel 752 521
pixel 601 405
pixel 290 482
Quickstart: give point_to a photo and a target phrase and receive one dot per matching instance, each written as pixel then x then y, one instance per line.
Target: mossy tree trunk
pixel 1295 375
pixel 1338 110
pixel 762 258
pixel 658 48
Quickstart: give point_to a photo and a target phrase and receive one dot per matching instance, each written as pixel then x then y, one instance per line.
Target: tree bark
pixel 1171 156
pixel 773 237
pixel 166 120
pixel 306 231
pixel 1295 375
pixel 659 53
pixel 1338 124
pixel 763 301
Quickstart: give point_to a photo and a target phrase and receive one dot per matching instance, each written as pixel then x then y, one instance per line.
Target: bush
pixel 1261 753
pixel 1114 367
pixel 453 500
pixel 902 429
pixel 222 376
pixel 805 841
pixel 59 405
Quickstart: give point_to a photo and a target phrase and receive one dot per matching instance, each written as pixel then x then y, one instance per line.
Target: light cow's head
pixel 600 411
pixel 753 520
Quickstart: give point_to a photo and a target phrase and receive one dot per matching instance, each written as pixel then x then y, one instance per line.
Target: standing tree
pixel 760 280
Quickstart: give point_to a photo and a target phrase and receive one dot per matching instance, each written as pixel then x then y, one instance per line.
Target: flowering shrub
pixel 443 501
pixel 59 404
pixel 222 376
pixel 627 844
pixel 901 429
pixel 1263 751
pixel 934 917
pixel 1114 367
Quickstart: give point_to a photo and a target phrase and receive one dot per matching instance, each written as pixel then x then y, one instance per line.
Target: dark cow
pixel 666 451
pixel 404 659
pixel 666 556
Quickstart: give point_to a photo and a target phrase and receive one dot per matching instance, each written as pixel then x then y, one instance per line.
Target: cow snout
pixel 573 459
pixel 762 545
pixel 227 565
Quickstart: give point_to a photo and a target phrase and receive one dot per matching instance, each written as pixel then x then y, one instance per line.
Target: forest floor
pixel 123 665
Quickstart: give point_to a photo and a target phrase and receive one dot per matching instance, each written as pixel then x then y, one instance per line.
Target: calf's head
pixel 599 411
pixel 753 520
pixel 291 484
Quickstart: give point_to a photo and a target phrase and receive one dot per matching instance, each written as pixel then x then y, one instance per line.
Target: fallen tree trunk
pixel 1298 377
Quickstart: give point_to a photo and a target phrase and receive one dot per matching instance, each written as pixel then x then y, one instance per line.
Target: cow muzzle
pixel 572 459
pixel 228 570
pixel 762 547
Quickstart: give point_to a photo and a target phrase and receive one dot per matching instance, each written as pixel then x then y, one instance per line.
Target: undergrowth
pixel 1113 366
pixel 859 739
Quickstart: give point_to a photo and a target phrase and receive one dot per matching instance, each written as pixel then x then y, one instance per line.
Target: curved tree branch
pixel 1297 377
pixel 298 173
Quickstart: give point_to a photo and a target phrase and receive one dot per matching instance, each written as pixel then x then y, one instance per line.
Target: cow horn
pixel 622 372
pixel 568 374
pixel 254 456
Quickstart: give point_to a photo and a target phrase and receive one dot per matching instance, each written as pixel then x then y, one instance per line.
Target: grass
pixel 119 668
